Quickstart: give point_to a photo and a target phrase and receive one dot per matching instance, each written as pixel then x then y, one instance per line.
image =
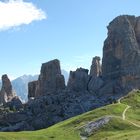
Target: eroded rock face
pixel 95 69
pixel 121 52
pixel 78 80
pixel 95 84
pixel 50 80
pixel 6 93
pixel 96 81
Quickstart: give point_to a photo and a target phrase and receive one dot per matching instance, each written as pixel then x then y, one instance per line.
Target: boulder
pixel 91 127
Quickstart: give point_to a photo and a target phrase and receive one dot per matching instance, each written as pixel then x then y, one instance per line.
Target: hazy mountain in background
pixel 66 75
pixel 20 84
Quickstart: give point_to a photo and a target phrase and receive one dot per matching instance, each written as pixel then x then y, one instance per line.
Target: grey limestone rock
pixel 6 93
pixel 121 53
pixel 50 80
pixel 95 84
pixel 78 80
pixel 91 127
pixel 96 69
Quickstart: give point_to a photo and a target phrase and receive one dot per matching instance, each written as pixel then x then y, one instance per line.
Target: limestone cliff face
pixel 50 80
pixel 121 52
pixel 78 80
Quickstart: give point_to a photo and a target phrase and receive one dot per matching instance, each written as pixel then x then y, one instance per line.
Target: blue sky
pixel 71 30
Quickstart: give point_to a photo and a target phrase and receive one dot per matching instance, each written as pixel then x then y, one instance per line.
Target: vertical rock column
pixel 50 80
pixel 6 93
pixel 95 82
pixel 95 69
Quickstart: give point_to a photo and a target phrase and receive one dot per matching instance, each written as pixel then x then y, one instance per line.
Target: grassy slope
pixel 134 112
pixel 116 129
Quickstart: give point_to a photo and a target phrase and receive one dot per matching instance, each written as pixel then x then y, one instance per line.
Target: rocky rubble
pixel 91 127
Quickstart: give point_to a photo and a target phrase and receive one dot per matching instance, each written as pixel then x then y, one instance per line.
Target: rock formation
pixel 6 93
pixel 50 80
pixel 95 69
pixel 121 54
pixel 54 102
pixel 95 84
pixel 15 103
pixel 32 86
pixel 78 80
pixel 91 127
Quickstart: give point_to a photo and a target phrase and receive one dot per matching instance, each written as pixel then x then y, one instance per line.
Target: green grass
pixel 116 129
pixel 133 100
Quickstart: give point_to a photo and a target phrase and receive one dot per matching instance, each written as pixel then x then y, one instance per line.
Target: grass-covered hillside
pixel 124 124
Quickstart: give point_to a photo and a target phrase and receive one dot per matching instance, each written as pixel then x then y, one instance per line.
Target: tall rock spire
pixel 121 55
pixel 95 69
pixel 50 80
pixel 6 93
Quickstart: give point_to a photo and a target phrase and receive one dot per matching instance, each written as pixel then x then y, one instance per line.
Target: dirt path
pixel 119 100
pixel 123 117
pixel 124 112
pixel 134 124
